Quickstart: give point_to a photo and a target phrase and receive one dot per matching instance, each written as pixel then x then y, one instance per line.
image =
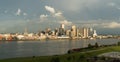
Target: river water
pixel 12 49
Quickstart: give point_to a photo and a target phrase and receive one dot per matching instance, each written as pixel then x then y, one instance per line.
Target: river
pixel 12 49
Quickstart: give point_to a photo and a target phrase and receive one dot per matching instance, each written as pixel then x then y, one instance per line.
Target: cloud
pixel 53 11
pixel 88 9
pixel 56 14
pixel 76 5
pixel 111 25
pixel 102 25
pixel 65 22
pixel 50 9
pixel 18 12
pixel 24 14
pixel 43 17
pixel 111 4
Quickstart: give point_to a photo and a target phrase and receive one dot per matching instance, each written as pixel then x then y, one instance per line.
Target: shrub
pixel 56 59
pixel 118 43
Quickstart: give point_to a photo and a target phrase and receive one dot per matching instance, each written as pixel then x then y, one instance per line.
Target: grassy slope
pixel 75 57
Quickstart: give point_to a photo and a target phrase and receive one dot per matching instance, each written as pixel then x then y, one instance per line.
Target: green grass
pixel 74 57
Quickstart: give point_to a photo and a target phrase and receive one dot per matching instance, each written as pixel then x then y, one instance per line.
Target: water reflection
pixel 20 41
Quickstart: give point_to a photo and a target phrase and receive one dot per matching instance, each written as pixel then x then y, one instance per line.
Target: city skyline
pixel 41 14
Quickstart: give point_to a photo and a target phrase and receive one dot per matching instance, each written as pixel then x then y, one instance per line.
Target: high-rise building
pixel 77 33
pixel 63 26
pixel 80 32
pixel 85 32
pixel 68 32
pixel 74 31
pixel 56 31
pixel 61 30
pixel 91 32
pixel 94 34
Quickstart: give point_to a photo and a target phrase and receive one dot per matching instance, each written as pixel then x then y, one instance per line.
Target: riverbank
pixel 74 57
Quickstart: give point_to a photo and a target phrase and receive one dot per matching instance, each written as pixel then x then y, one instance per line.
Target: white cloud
pixel 103 24
pixel 58 14
pixel 53 11
pixel 43 17
pixel 111 25
pixel 24 14
pixel 98 24
pixel 18 11
pixel 65 22
pixel 50 9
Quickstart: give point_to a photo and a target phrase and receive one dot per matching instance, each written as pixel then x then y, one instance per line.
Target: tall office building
pixel 91 31
pixel 56 31
pixel 74 31
pixel 94 34
pixel 61 30
pixel 68 32
pixel 81 32
pixel 63 26
pixel 77 34
pixel 85 32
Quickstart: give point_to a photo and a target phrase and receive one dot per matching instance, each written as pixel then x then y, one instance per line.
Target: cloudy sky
pixel 35 15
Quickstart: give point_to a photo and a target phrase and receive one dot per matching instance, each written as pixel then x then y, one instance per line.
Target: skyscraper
pixel 61 30
pixel 85 32
pixel 63 26
pixel 91 32
pixel 74 31
pixel 94 34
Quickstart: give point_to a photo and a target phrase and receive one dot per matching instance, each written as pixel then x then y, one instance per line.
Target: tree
pixel 96 45
pixel 89 45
